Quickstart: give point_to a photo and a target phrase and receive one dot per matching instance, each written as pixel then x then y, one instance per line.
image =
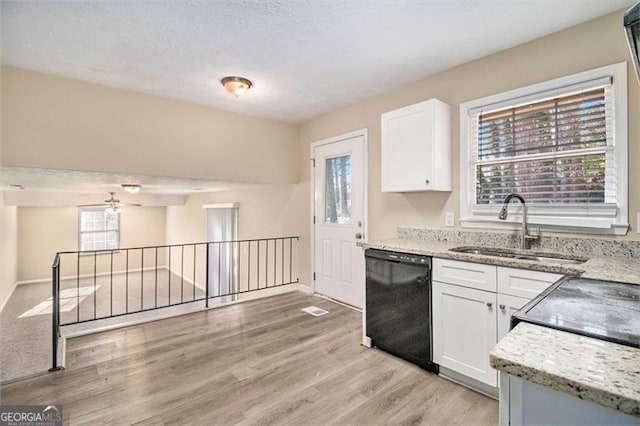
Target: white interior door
pixel 339 188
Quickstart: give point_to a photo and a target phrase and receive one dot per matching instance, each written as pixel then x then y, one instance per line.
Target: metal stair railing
pixel 102 284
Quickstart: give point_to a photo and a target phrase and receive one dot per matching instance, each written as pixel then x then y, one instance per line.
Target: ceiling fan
pixel 111 204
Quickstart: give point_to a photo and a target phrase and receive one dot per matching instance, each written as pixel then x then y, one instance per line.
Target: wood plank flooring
pixel 262 362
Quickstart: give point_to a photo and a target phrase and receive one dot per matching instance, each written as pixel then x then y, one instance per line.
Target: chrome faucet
pixel 525 238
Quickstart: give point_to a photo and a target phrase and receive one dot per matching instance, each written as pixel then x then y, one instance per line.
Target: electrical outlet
pixel 449 219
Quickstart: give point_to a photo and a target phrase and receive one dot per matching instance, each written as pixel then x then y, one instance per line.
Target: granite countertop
pixel 610 268
pixel 594 370
pixel 605 373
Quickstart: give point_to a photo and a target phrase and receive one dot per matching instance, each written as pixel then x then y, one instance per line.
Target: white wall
pixel 9 247
pixel 60 123
pixel 265 211
pixel 44 231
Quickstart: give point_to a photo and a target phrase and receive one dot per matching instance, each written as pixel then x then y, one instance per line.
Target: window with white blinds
pixel 561 144
pixel 551 151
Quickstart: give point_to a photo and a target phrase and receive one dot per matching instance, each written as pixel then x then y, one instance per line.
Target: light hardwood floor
pixel 260 362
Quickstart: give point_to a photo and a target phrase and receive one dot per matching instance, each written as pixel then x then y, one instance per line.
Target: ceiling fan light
pixel 236 86
pixel 131 188
pixel 112 209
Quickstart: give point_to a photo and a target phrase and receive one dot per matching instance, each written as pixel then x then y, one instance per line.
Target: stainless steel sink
pixel 518 254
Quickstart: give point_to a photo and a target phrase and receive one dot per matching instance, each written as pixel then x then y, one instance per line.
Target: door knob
pixel 358 236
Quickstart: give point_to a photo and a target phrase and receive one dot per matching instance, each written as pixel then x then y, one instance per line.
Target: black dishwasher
pixel 398 303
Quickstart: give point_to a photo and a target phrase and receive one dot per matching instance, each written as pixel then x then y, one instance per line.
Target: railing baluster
pixel 126 283
pixel 275 260
pixel 169 278
pixel 78 291
pixel 95 260
pixel 258 268
pixel 249 265
pixel 142 279
pixel 219 268
pixel 156 283
pixel 290 258
pixel 206 293
pixel 282 268
pixel 194 272
pixel 236 254
pixel 182 276
pixel 111 286
pixel 266 264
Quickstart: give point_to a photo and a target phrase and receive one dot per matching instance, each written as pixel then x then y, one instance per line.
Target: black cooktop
pixel 605 310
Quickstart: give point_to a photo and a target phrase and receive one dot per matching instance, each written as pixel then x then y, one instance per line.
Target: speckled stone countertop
pixel 593 370
pixel 620 263
pixel 601 372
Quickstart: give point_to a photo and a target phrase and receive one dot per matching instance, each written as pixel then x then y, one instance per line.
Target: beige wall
pixel 265 211
pixel 9 247
pixel 58 123
pixel 593 44
pixel 43 231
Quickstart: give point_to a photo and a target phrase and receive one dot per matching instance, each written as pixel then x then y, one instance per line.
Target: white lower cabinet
pixel 507 306
pixel 464 330
pixel 472 308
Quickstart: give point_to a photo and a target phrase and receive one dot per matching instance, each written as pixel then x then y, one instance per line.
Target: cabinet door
pixel 507 306
pixel 407 148
pixel 464 330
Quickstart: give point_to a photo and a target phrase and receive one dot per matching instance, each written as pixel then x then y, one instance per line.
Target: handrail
pixel 175 245
pixel 230 268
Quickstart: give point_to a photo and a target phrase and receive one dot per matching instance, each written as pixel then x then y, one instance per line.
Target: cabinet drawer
pixel 524 283
pixel 472 275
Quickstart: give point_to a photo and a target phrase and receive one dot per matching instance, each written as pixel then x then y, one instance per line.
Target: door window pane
pixel 338 190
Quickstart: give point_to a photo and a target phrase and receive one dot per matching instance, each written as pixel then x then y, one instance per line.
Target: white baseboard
pixel 15 285
pixel 305 288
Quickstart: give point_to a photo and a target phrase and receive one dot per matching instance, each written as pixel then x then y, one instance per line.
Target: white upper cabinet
pixel 416 148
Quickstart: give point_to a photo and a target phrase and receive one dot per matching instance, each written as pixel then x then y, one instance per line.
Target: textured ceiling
pixel 306 58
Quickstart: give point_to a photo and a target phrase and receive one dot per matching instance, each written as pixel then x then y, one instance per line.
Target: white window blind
pixel 99 229
pixel 553 151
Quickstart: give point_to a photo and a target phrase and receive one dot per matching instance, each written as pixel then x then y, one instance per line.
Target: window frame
pixel 592 219
pixel 80 233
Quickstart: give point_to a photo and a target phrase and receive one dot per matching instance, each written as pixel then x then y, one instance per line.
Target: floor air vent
pixel 315 311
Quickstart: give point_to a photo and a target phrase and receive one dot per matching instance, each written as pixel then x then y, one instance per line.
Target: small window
pixel 562 145
pixel 338 190
pixel 99 229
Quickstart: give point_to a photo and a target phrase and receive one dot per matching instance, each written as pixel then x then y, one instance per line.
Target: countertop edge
pixel 561 382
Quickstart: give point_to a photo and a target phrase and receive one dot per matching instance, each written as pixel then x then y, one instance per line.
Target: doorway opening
pixel 222 225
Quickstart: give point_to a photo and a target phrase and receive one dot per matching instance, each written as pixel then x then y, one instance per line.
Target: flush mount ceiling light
pixel 236 85
pixel 131 188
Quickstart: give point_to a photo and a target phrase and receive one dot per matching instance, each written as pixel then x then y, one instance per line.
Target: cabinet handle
pixel 503 307
pixel 489 305
pixel 427 181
